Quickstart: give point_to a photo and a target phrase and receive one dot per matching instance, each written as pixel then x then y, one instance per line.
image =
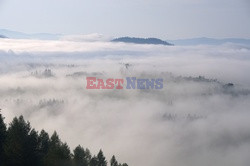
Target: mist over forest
pixel 200 117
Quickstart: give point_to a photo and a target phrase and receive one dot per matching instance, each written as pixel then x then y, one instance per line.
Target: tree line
pixel 21 145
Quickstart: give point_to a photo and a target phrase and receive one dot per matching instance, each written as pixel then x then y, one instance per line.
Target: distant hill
pixel 141 40
pixel 20 35
pixel 209 41
pixel 2 36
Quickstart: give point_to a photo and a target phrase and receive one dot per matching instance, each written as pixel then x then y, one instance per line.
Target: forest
pixel 21 145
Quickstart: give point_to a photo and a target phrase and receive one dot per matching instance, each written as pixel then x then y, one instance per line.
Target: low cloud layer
pixel 196 119
pixel 86 38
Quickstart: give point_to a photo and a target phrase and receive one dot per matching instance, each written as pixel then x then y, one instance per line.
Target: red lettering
pixel 110 83
pixel 119 81
pixel 90 83
pixel 100 84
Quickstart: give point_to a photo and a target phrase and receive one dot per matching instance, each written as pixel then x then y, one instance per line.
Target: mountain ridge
pixel 5 33
pixel 209 41
pixel 2 36
pixel 21 35
pixel 137 40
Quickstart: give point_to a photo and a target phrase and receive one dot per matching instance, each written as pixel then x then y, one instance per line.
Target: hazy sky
pixel 167 19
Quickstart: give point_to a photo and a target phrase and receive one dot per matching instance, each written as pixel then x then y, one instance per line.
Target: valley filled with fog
pixel 200 117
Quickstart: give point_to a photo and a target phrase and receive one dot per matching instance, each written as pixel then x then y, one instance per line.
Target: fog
pixel 198 118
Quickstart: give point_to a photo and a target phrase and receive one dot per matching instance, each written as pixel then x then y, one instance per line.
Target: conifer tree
pixel 2 139
pixel 101 159
pixel 93 161
pixel 113 161
pixel 58 153
pixel 21 144
pixel 80 157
